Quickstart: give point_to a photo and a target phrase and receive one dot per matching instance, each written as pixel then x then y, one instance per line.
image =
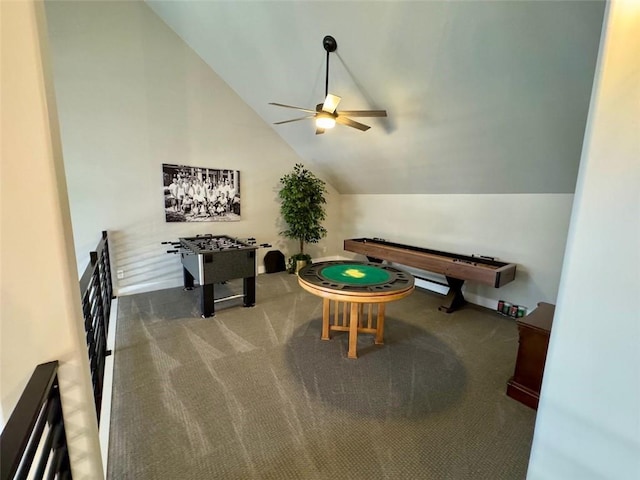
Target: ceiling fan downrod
pixel 330 45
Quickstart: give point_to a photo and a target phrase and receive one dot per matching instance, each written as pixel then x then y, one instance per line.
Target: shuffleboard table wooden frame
pixel 455 267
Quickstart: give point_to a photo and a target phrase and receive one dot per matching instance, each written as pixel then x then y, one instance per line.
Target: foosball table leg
pixel 249 287
pixel 207 300
pixel 187 278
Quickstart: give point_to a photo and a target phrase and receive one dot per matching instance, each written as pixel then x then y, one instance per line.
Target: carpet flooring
pixel 254 393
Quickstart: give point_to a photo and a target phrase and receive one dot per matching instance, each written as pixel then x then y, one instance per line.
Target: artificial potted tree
pixel 302 208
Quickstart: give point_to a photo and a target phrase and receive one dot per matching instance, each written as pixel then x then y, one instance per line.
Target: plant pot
pixel 300 264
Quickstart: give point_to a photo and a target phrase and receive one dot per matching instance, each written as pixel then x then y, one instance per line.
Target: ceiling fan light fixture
pixel 325 121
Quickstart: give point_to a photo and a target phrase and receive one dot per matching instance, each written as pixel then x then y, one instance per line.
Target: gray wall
pixel 133 96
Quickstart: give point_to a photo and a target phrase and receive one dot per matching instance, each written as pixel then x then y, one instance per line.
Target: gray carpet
pixel 253 393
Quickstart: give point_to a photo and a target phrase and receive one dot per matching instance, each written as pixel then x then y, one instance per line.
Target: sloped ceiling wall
pixel 483 97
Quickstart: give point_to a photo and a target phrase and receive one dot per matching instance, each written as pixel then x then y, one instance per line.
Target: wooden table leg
pixel 380 325
pixel 353 331
pixel 325 319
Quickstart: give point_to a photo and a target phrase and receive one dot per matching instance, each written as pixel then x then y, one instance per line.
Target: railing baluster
pixel 96 290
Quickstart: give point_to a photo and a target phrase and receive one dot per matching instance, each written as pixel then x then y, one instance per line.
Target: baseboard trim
pixel 422 281
pixel 177 281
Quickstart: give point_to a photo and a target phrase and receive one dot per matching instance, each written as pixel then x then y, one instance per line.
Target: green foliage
pixel 302 206
pixel 293 259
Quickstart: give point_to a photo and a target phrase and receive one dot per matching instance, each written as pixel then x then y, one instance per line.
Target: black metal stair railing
pixel 33 442
pixel 96 290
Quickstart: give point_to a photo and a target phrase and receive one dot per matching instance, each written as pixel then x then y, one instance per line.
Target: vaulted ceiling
pixel 482 97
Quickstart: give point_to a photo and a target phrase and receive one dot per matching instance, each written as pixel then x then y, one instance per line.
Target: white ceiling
pixel 482 97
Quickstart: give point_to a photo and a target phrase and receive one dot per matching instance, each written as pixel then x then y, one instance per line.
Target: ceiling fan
pixel 326 114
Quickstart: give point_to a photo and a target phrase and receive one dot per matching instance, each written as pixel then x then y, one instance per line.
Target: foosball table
pixel 211 259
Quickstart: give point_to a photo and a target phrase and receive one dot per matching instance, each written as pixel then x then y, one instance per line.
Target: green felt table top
pixel 355 274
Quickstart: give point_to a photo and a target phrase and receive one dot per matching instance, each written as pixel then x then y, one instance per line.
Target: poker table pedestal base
pixel 352 320
pixel 360 291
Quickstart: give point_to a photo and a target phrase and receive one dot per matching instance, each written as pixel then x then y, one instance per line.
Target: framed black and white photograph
pixel 198 194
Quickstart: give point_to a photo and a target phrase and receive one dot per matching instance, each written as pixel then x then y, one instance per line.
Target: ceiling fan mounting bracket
pixel 329 43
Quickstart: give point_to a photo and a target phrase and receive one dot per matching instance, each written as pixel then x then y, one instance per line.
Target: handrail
pixel 96 291
pixel 24 436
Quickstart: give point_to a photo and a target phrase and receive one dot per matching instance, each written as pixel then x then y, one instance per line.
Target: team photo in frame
pixel 200 194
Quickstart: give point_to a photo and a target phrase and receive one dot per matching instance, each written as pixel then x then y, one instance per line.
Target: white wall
pixel 529 230
pixel 588 423
pixel 133 96
pixel 40 314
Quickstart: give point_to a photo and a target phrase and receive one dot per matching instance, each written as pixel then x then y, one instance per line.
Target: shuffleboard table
pixel 455 267
pixel 351 286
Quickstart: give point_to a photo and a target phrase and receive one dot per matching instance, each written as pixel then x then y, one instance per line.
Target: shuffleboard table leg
pixel 374 260
pixel 454 298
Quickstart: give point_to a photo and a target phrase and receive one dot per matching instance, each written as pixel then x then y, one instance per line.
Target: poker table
pixel 354 295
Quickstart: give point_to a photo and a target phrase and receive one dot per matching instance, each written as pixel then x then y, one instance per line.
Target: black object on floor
pixel 274 262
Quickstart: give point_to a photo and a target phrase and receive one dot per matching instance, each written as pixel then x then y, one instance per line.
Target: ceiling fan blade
pixel 319 131
pixel 291 106
pixel 364 113
pixel 331 103
pixel 293 120
pixel 351 123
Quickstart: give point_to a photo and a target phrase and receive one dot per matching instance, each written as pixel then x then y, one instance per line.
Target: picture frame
pixel 200 194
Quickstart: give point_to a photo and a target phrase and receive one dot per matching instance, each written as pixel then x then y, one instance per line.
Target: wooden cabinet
pixel 534 331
